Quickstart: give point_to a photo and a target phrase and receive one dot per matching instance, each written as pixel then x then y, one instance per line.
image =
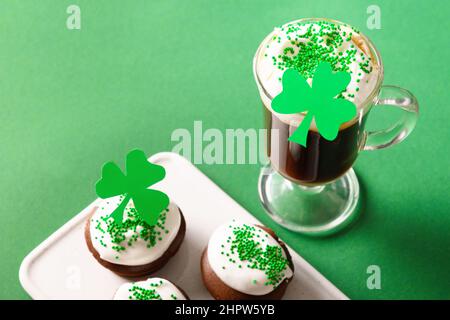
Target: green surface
pixel 71 100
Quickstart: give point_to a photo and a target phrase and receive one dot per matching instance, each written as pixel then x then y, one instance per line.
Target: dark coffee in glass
pixel 321 161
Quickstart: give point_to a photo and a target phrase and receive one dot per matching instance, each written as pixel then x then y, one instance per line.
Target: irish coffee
pixel 302 46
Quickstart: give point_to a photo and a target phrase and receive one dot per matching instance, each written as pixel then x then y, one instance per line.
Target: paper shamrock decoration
pixel 318 101
pixel 140 174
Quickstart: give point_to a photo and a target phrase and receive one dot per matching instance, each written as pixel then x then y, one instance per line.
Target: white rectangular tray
pixel 61 267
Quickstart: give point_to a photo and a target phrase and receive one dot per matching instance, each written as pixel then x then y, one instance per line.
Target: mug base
pixel 316 211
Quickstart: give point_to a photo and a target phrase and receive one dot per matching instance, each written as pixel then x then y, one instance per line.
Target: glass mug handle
pixel 395 97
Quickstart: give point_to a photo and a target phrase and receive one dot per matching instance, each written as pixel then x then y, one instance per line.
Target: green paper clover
pixel 140 174
pixel 319 102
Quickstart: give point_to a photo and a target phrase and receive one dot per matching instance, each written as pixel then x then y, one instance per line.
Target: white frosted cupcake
pixel 150 289
pixel 244 261
pixel 134 248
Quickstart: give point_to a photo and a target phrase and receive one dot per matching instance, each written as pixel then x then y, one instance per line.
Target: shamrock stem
pixel 299 136
pixel 117 214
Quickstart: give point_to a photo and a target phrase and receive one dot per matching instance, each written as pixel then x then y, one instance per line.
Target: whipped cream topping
pixel 150 289
pixel 303 45
pixel 134 242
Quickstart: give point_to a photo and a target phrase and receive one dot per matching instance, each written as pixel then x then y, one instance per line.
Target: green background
pixel 71 100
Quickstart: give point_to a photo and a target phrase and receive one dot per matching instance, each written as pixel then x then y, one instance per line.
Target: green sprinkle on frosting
pixel 246 243
pixel 120 235
pixel 139 293
pixel 311 43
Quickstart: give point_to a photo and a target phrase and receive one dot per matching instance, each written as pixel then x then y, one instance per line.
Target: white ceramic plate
pixel 61 267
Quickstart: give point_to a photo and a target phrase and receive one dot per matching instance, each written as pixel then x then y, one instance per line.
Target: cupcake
pixel 246 262
pixel 150 289
pixel 133 248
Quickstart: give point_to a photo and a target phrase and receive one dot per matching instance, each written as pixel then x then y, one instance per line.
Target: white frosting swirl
pixel 156 288
pixel 236 273
pixel 134 249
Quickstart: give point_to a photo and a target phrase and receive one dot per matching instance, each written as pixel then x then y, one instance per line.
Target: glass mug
pixel 313 189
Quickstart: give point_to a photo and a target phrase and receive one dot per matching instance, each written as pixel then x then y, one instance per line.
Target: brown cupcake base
pixel 141 270
pixel 220 291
